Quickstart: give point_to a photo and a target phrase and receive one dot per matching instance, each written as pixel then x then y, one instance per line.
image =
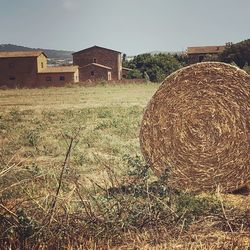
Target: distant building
pixel 204 53
pixel 125 72
pixel 98 63
pixel 59 75
pixel 29 69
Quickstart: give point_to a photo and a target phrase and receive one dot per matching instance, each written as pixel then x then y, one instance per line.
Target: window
pixel 11 65
pixel 94 60
pixel 201 58
pixel 48 79
pixel 62 78
pixel 42 65
pixel 12 78
pixel 92 73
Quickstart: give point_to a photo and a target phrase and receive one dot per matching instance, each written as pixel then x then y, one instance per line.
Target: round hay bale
pixel 197 126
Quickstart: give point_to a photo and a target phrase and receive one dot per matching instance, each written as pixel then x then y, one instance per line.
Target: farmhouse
pixel 29 69
pixel 58 75
pixel 98 63
pixel 204 53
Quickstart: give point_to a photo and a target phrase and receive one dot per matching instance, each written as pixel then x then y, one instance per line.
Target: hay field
pixel 35 130
pixel 34 123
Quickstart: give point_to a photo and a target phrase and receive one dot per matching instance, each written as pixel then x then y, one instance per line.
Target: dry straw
pixel 197 126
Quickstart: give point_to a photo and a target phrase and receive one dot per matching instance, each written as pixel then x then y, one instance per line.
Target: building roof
pixel 59 69
pixel 205 50
pixel 96 65
pixel 124 68
pixel 15 54
pixel 96 47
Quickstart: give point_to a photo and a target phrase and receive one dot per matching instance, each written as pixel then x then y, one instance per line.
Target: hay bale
pixel 197 125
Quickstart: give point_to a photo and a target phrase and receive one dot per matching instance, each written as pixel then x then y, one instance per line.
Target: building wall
pixel 94 73
pixel 56 79
pixel 102 56
pixel 195 58
pixel 18 72
pixel 24 72
pixel 119 60
pixel 41 63
pixel 76 76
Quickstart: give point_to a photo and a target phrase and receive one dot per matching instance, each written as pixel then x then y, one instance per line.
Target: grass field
pixel 102 123
pixel 34 123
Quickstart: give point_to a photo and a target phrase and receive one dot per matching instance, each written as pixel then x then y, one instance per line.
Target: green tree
pixel 134 74
pixel 238 53
pixel 124 57
pixel 155 67
pixel 125 62
pixel 182 58
pixel 247 68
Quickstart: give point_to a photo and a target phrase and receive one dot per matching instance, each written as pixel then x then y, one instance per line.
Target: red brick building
pixel 97 63
pixel 58 76
pixel 204 53
pixel 29 69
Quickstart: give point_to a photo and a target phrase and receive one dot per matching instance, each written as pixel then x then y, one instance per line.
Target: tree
pixel 124 57
pixel 238 53
pixel 182 58
pixel 155 67
pixel 247 68
pixel 134 74
pixel 125 62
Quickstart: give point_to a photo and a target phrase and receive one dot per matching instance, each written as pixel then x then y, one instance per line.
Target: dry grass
pixel 77 97
pixel 106 197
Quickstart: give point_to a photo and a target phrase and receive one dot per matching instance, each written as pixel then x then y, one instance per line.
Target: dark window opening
pixel 92 73
pixel 201 58
pixel 12 78
pixel 42 65
pixel 62 78
pixel 48 78
pixel 11 65
pixel 94 60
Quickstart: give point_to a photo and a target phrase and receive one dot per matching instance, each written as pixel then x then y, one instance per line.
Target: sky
pixel 130 26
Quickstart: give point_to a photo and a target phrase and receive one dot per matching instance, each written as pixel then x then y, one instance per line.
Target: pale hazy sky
pixel 130 26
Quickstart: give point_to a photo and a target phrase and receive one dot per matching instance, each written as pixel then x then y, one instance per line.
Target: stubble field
pixel 71 170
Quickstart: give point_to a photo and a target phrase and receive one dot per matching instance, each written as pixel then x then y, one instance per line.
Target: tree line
pixel 155 67
pixel 238 53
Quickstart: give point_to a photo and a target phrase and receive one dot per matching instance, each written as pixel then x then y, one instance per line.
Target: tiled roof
pixel 96 47
pixel 60 69
pixel 96 65
pixel 29 53
pixel 205 50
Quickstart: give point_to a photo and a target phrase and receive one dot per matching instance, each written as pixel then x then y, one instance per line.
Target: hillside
pixel 53 54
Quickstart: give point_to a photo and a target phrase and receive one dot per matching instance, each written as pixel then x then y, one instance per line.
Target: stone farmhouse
pixel 204 53
pixel 29 69
pixel 98 63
